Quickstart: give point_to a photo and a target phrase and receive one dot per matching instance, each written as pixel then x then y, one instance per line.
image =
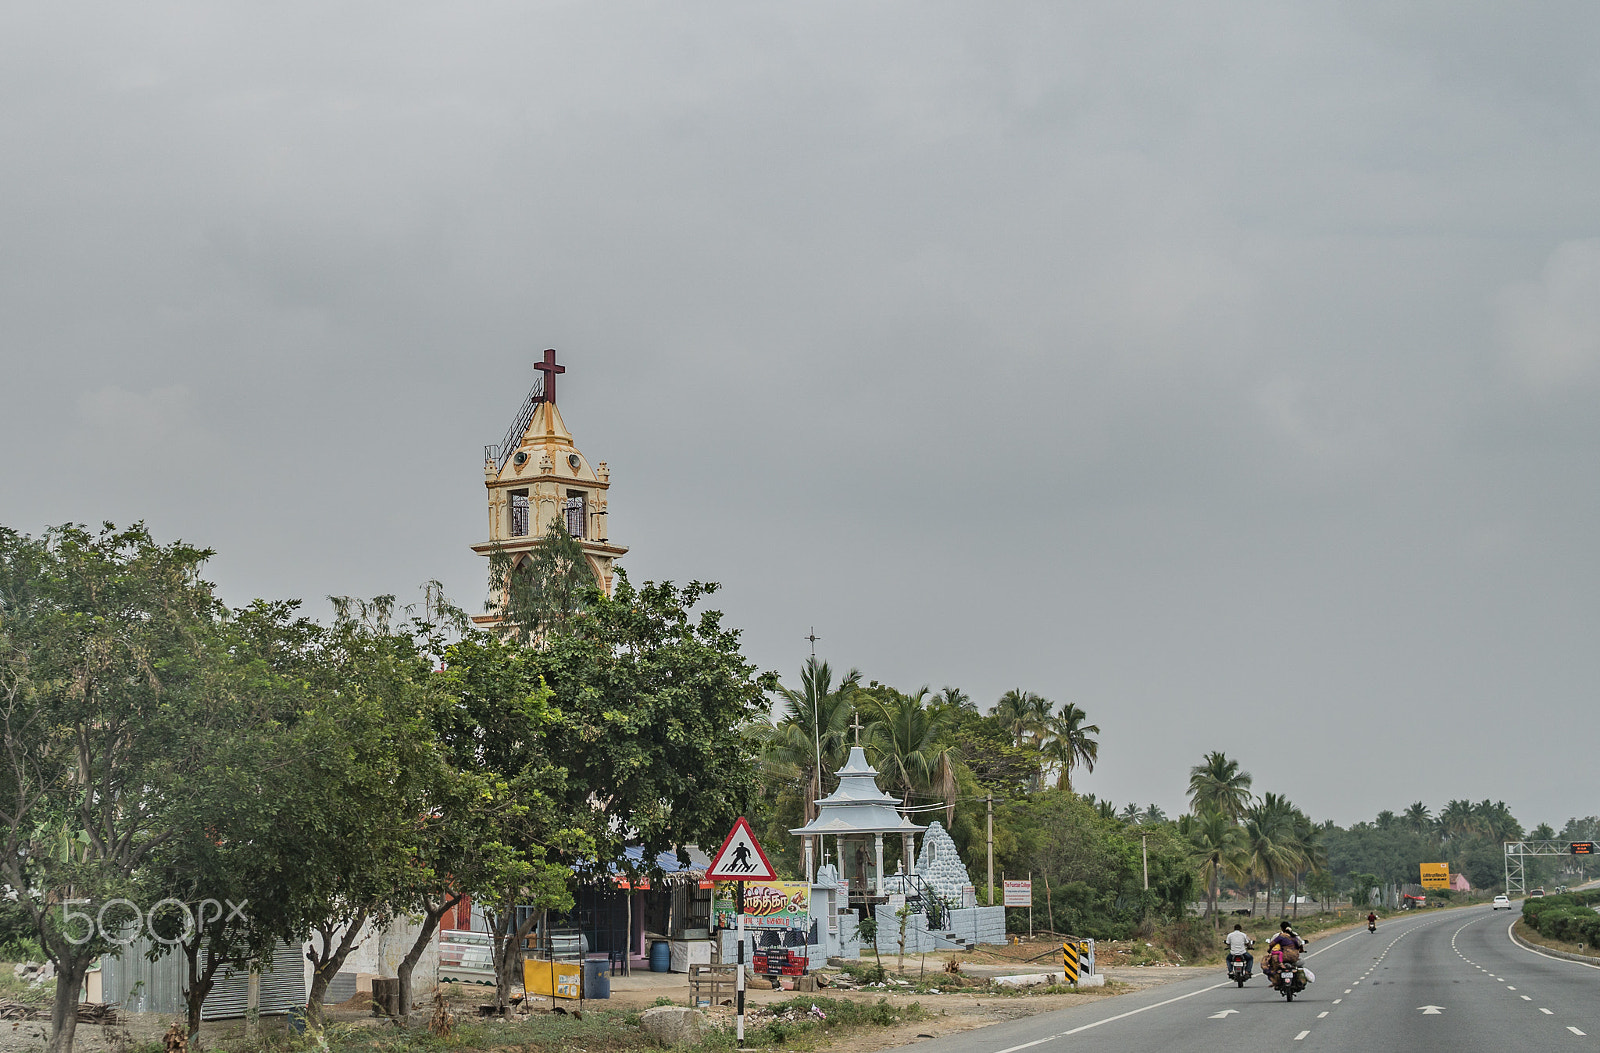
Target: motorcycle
pixel 1238 968
pixel 1372 926
pixel 1291 980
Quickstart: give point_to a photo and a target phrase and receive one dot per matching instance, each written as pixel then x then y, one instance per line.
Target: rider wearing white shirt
pixel 1239 943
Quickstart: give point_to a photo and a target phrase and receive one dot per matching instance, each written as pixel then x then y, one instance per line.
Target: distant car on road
pixel 1536 893
pixel 1502 900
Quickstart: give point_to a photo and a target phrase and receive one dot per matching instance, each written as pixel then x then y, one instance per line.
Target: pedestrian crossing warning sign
pixel 740 858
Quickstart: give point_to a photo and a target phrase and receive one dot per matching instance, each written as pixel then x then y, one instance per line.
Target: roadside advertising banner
pixel 1435 875
pixel 767 905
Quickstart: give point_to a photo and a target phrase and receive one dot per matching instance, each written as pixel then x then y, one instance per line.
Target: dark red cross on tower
pixel 549 368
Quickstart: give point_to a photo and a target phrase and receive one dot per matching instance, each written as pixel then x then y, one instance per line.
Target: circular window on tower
pixel 521 458
pixel 574 460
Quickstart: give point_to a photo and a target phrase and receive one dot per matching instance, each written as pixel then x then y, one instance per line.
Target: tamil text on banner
pixel 767 904
pixel 1435 875
pixel 1019 894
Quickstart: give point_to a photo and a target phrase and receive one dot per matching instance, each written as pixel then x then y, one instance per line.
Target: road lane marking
pixel 1110 1019
pixel 1336 1001
pixel 1347 990
pixel 1322 1014
pixel 1545 1011
pixel 1431 1010
pixel 1222 1015
pixel 1303 1034
pixel 1511 989
pixel 1525 998
pixel 1574 1030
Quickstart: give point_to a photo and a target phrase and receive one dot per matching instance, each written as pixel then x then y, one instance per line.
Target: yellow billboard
pixel 1435 875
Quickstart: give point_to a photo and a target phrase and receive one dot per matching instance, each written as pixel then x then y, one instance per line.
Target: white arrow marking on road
pixel 1431 1010
pixel 1222 1015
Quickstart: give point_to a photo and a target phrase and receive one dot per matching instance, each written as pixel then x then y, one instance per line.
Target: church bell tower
pixel 536 475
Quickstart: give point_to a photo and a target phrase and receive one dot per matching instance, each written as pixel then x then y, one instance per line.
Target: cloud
pixel 1551 327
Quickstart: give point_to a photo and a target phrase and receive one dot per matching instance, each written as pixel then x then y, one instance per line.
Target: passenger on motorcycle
pixel 1283 952
pixel 1239 943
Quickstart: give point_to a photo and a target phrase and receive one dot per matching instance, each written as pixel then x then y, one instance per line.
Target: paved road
pixel 1372 992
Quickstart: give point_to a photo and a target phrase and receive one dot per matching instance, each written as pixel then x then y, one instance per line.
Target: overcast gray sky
pixel 1229 370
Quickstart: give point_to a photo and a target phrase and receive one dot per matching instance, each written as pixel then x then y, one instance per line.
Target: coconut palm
pixel 1419 818
pixel 1218 844
pixel 1456 819
pixel 814 723
pixel 1270 836
pixel 1068 744
pixel 1218 783
pixel 1024 715
pixel 904 741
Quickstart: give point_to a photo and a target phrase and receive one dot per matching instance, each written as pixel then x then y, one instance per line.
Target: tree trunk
pixel 200 984
pixel 507 951
pixel 70 970
pixel 430 924
pixel 326 965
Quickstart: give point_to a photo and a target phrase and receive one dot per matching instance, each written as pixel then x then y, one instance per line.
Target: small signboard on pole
pixel 1018 893
pixel 740 859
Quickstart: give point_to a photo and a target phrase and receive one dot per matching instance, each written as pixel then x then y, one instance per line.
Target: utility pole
pixel 990 801
pixel 1144 850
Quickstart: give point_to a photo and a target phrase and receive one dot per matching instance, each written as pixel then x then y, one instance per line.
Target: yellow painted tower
pixel 536 475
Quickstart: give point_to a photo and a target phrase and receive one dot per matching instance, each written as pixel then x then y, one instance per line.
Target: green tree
pixel 108 663
pixel 541 592
pixel 1418 818
pixel 1069 743
pixel 498 723
pixel 905 739
pixel 814 723
pixel 1219 784
pixel 1219 845
pixel 1024 715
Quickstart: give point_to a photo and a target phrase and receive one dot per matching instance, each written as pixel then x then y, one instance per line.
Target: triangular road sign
pixel 740 858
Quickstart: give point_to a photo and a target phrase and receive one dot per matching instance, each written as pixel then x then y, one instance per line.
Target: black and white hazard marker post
pixel 738 1007
pixel 740 859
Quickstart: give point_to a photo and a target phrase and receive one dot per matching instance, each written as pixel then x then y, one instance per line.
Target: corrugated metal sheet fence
pixel 144 986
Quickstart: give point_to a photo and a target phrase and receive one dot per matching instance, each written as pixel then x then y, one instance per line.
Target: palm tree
pixel 1456 819
pixel 1269 833
pixel 1216 842
pixel 1151 815
pixel 904 739
pixel 813 727
pixel 1068 744
pixel 1131 814
pixel 1218 783
pixel 1419 818
pixel 1023 714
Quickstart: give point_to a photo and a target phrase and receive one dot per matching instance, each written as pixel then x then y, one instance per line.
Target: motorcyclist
pixel 1239 943
pixel 1372 920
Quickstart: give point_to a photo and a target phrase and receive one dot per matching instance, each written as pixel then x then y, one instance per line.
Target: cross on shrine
pixel 549 368
pixel 856 723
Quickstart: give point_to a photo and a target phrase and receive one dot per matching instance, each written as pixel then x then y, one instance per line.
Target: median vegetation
pixel 1567 918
